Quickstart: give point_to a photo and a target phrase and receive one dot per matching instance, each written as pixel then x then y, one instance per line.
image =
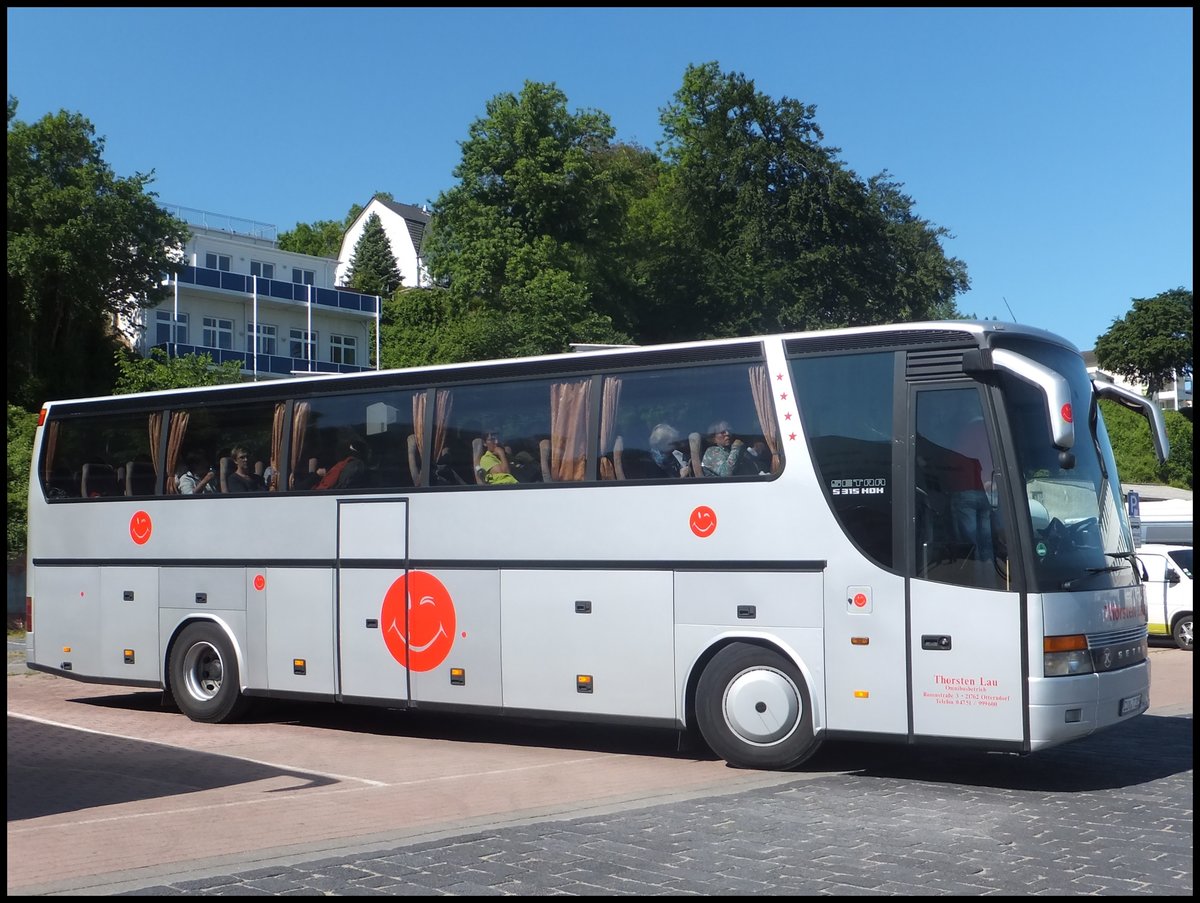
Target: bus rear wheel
pixel 754 709
pixel 204 675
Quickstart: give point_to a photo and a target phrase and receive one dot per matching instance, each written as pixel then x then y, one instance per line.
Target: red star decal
pixel 779 376
pixel 787 416
pixel 783 397
pixel 792 437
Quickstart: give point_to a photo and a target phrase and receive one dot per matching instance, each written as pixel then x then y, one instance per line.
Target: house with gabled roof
pixel 404 225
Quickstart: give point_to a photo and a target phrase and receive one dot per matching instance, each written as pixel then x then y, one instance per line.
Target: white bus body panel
pixel 129 621
pixel 622 642
pixel 476 648
pixel 971 687
pixel 370 532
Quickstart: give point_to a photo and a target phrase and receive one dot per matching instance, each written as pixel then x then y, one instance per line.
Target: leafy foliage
pixel 320 239
pixel 373 269
pixel 150 374
pixel 519 242
pixel 757 227
pixel 1134 450
pixel 84 246
pixel 1153 342
pixel 21 428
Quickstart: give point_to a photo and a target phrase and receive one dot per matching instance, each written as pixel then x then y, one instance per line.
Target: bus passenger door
pixel 966 623
pixel 372 566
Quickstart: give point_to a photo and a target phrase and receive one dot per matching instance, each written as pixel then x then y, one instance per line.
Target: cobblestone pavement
pixel 1111 815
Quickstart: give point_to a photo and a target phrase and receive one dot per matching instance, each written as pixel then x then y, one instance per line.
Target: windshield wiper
pixel 1090 572
pixel 1121 554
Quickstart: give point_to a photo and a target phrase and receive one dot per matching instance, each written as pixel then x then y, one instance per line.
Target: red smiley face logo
pixel 140 528
pixel 703 521
pixel 431 621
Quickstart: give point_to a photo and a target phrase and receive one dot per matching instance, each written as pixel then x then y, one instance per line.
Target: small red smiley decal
pixel 140 528
pixel 431 621
pixel 703 521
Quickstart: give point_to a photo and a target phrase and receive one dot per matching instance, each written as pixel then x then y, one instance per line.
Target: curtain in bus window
pixel 609 399
pixel 443 403
pixel 568 429
pixel 178 429
pixel 301 411
pixel 418 413
pixel 277 442
pixel 760 388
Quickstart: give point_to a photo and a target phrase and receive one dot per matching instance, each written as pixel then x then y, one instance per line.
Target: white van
pixel 1167 571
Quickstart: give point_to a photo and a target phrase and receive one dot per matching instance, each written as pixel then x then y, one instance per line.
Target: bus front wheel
pixel 204 674
pixel 754 710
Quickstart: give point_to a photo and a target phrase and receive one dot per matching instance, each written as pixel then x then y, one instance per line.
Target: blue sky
pixel 1054 145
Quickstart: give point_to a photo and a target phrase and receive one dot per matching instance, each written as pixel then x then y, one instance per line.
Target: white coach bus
pixel 908 533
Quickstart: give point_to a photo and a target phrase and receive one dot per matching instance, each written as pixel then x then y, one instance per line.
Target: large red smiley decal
pixel 140 528
pixel 431 621
pixel 703 521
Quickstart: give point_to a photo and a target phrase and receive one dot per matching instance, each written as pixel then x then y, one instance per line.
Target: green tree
pixel 1134 451
pixel 21 428
pixel 84 247
pixel 1152 344
pixel 758 227
pixel 150 374
pixel 521 242
pixel 323 238
pixel 320 239
pixel 373 269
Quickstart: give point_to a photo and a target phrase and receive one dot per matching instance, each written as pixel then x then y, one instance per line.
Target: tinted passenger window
pixel 661 425
pixel 379 428
pixel 100 456
pixel 846 406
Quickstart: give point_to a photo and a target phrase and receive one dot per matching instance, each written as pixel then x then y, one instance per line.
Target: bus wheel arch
pixel 1181 631
pixel 753 706
pixel 204 673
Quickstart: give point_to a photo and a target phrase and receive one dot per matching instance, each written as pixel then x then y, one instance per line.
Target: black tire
pixel 754 709
pixel 1181 632
pixel 204 675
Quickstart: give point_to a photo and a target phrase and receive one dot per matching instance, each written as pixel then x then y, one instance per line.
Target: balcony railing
pixel 274 364
pixel 335 298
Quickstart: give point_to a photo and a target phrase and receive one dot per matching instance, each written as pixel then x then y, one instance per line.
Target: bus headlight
pixel 1066 656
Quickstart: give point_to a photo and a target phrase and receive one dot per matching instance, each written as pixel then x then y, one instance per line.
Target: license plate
pixel 1131 704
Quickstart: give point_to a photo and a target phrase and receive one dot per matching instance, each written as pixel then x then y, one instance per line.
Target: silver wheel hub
pixel 762 706
pixel 202 671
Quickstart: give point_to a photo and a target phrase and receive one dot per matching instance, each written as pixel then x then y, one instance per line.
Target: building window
pixel 168 331
pixel 303 345
pixel 343 349
pixel 218 333
pixel 217 262
pixel 303 277
pixel 266 338
pixel 262 270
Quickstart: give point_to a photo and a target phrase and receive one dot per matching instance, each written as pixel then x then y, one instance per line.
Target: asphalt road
pixel 110 794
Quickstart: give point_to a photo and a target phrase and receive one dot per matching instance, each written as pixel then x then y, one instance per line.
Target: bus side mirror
pixel 1172 576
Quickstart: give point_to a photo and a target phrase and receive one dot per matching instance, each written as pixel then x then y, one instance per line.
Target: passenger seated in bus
pixel 444 473
pixel 724 456
pixel 188 483
pixel 524 466
pixel 243 479
pixel 304 480
pixel 665 458
pixel 493 463
pixel 758 457
pixel 350 472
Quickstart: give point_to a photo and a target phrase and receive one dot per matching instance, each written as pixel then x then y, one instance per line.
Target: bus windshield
pixel 1081 537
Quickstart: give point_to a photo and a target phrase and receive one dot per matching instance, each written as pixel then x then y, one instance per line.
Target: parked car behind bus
pixel 1168 576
